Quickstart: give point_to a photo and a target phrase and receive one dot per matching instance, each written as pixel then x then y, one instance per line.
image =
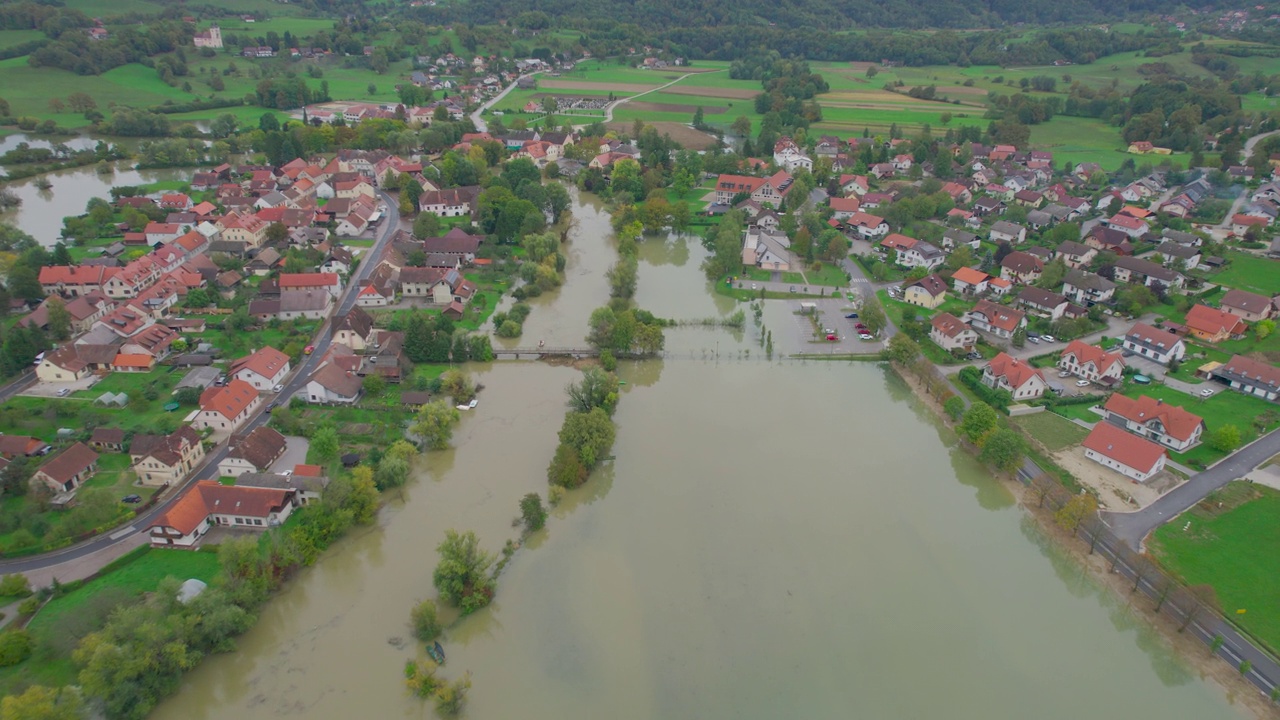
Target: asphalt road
pixel 297 381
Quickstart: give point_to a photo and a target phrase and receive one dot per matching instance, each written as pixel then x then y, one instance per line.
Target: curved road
pixel 298 381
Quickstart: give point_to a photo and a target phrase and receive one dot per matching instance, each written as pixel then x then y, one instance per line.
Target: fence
pixel 1193 608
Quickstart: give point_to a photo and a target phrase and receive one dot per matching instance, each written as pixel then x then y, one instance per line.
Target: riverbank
pixel 1188 648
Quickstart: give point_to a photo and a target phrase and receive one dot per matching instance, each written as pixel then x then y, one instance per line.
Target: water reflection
pixel 671 249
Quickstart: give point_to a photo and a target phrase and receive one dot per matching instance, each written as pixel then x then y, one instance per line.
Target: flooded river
pixel 773 539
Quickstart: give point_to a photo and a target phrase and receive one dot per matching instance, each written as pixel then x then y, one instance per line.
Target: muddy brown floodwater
pixel 773 539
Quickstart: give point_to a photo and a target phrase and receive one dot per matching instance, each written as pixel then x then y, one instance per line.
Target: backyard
pixel 1053 431
pixel 1232 547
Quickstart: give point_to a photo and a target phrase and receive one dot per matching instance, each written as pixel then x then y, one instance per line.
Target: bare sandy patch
pixel 683 134
pixel 715 92
pixel 673 107
pixel 588 85
pixel 1115 491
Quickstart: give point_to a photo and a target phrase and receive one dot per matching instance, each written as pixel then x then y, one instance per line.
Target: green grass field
pixel 1052 431
pixel 1250 272
pixel 1235 552
pixel 13 38
pixel 60 624
pixel 1225 407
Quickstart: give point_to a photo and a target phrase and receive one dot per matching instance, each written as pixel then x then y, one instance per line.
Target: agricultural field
pixel 1228 541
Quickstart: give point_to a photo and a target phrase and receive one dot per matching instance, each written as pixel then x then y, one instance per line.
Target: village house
pixel 62 365
pixel 456 242
pixel 951 333
pixel 1021 267
pixel 1213 325
pixel 308 480
pixel 844 208
pixel 952 239
pixel 1092 363
pixel 1156 420
pixel 1137 270
pixel 1249 376
pixel 1074 254
pixel 250 452
pixel 929 291
pixel 263 369
pixel 16 446
pixel 1007 232
pixel 69 469
pixel 998 320
pixel 766 249
pixel 451 202
pixel 330 283
pixel 1246 305
pixel 424 282
pixel 1042 303
pixel 107 439
pixel 1159 345
pixel 968 281
pixel 208 504
pixel 332 384
pixel 353 329
pixel 867 225
pixel 1129 225
pixel 1023 381
pixel 165 459
pixel 920 254
pixel 1134 457
pixel 1183 257
pixel 223 409
pixel 1086 288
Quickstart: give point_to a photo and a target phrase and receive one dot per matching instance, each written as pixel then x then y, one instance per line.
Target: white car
pixel 277 389
pixel 1047 338
pixel 1207 392
pixel 1064 374
pixel 1082 383
pixel 865 336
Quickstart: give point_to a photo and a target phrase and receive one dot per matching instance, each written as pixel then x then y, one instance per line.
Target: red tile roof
pixel 229 401
pixel 208 497
pixel 1015 371
pixel 1178 423
pixel 1212 321
pixel 1125 448
pixel 949 324
pixel 970 276
pixel 304 280
pixel 266 362
pixel 1084 352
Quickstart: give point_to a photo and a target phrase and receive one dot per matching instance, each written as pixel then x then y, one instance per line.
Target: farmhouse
pixel 252 452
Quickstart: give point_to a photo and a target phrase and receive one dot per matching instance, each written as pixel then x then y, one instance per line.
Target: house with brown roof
pixel 1214 325
pixel 929 291
pixel 166 459
pixel 429 283
pixel 353 329
pixel 1156 420
pixel 62 365
pixel 1074 254
pixel 1042 303
pixel 1133 270
pixel 69 469
pixel 208 504
pixel 263 369
pixel 332 384
pixel 1149 342
pixel 951 333
pixel 1021 267
pixel 998 320
pixel 451 202
pixel 309 481
pixel 223 409
pixel 107 439
pixel 254 451
pixel 1134 457
pixel 1092 363
pixel 1022 380
pixel 1246 305
pixel 15 446
pixel 455 242
pixel 1086 288
pixel 1249 376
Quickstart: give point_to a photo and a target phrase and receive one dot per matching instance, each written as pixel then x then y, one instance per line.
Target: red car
pixel 832 337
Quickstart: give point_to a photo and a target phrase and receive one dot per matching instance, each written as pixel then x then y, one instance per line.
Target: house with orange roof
pixel 1092 363
pixel 843 208
pixel 1156 420
pixel 1022 380
pixel 209 504
pixel 175 201
pixel 867 225
pixel 1214 325
pixel 1136 458
pixel 223 409
pixel 324 282
pixel 263 369
pixel 73 280
pixel 968 281
pixel 133 362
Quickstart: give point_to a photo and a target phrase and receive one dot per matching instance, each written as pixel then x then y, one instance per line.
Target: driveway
pixel 295 453
pixel 51 389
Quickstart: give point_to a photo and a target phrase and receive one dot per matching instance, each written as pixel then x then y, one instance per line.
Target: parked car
pixel 1063 374
pixel 832 337
pixel 131 499
pixel 866 336
pixel 64 392
pixel 1207 392
pixel 1034 339
pixel 1082 383
pixel 852 316
pixel 1048 338
pixel 278 389
pixel 272 406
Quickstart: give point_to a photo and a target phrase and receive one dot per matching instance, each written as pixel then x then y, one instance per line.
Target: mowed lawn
pixel 1053 431
pixel 1235 552
pixel 1250 272
pixel 1225 407
pixel 60 624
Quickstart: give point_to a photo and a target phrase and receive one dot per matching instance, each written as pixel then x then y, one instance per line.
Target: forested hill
pixel 812 14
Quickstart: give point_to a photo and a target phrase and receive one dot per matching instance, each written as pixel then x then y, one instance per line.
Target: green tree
pixel 391 472
pixel 59 318
pixel 532 512
pixel 324 444
pixel 451 697
pixel 1075 511
pixel 1225 439
pixel 902 349
pixel 1003 449
pixel 426 626
pixel 15 646
pixel 591 434
pixel 435 424
pixel 42 703
pixel 462 575
pixel 979 420
pixel 872 315
pixel 426 225
pixel 374 385
pixel 1052 276
pixel 1263 328
pixel 596 389
pixel 954 407
pixel 566 468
